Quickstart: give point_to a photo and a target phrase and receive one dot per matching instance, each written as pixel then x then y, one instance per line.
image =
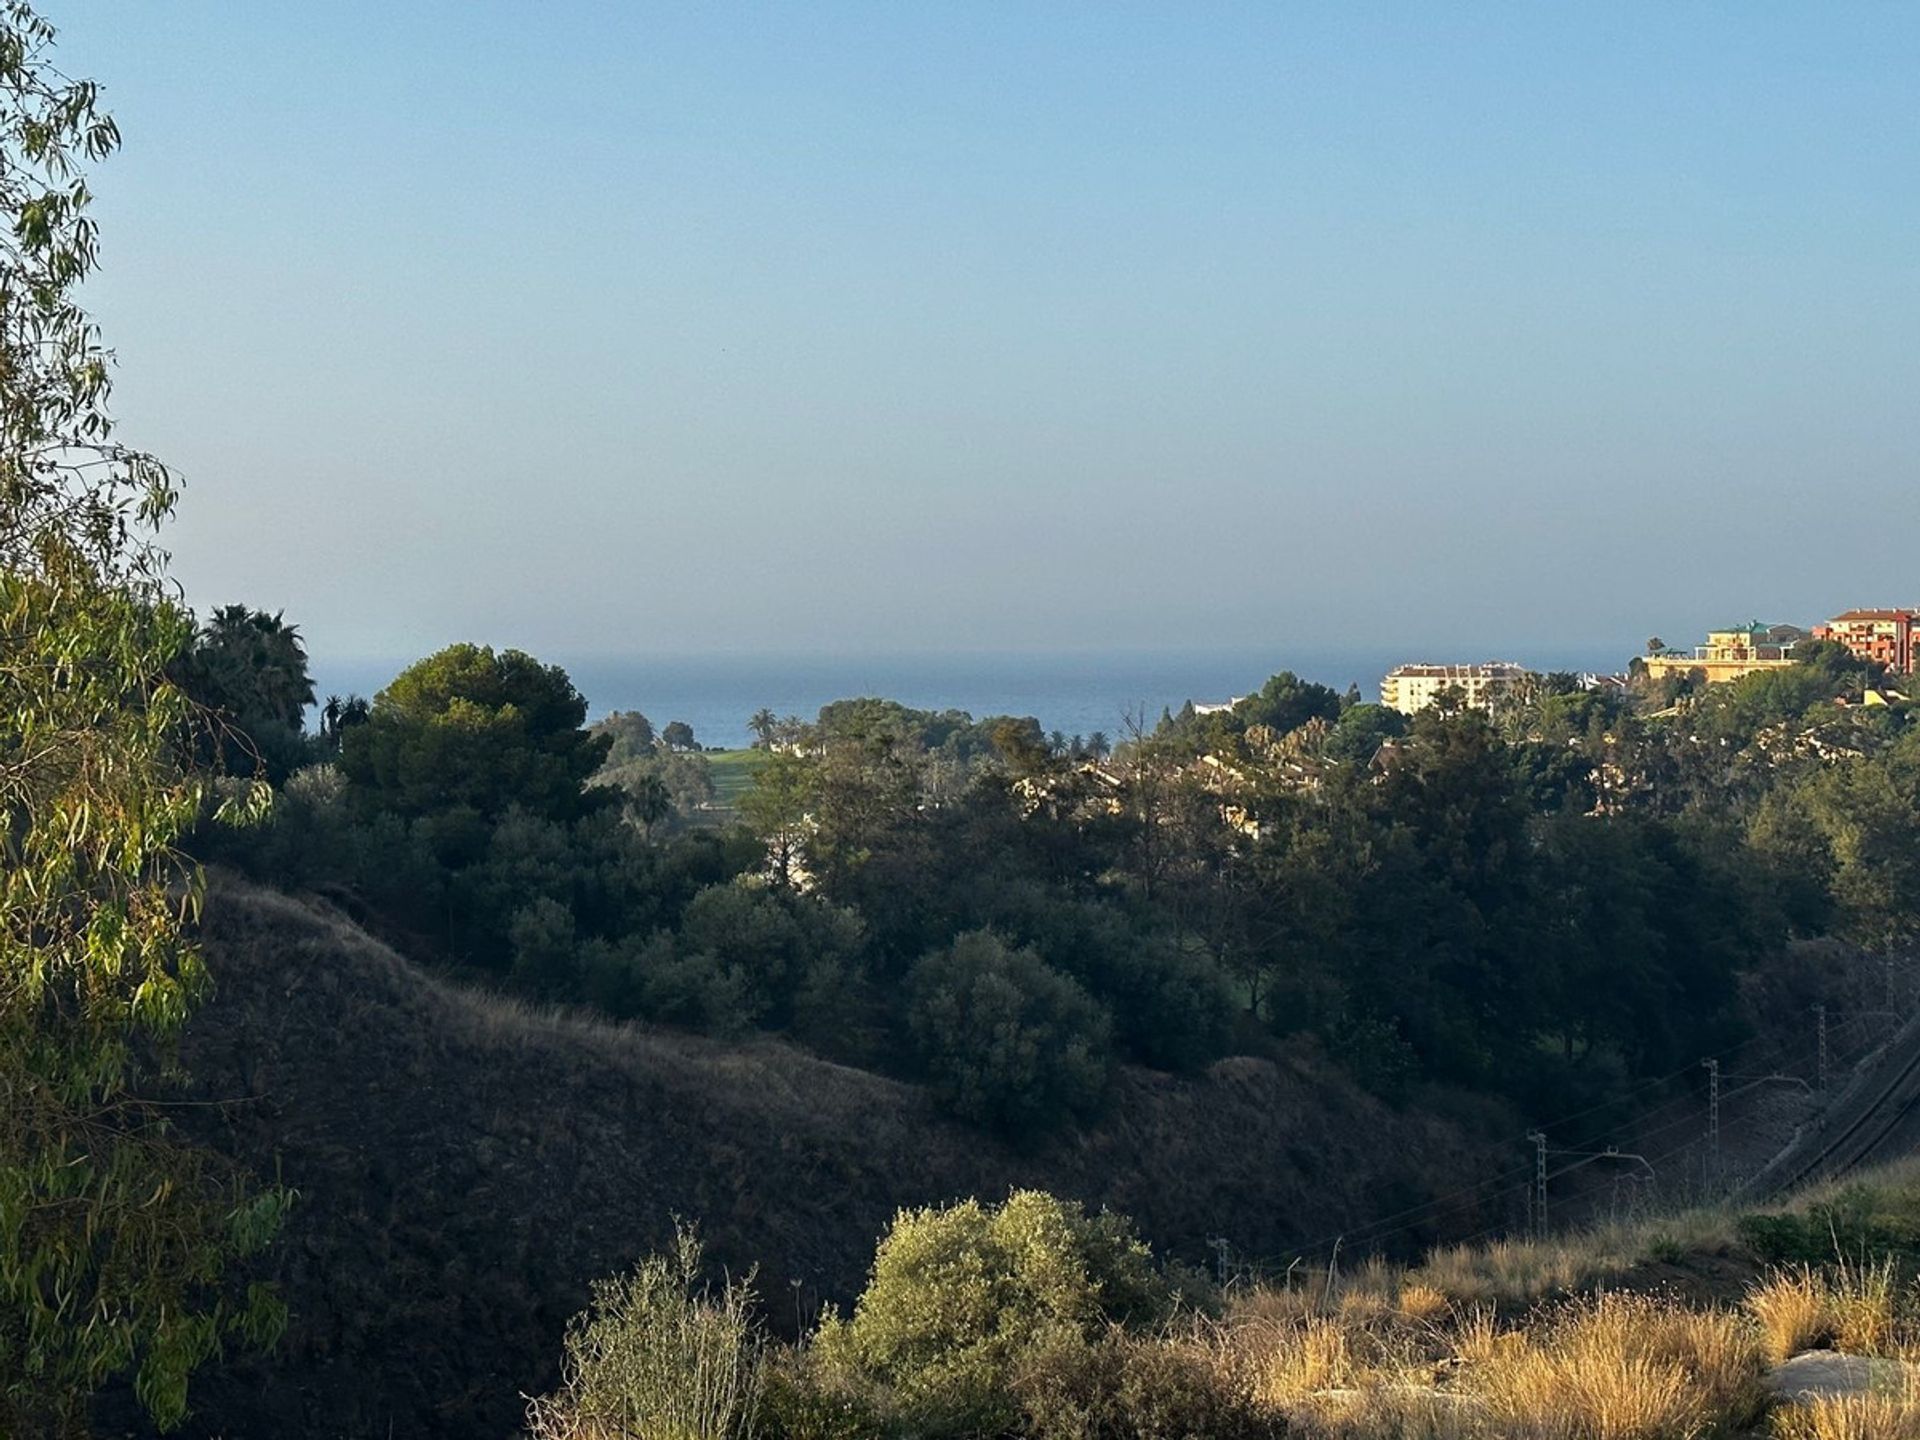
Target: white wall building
pixel 1411 688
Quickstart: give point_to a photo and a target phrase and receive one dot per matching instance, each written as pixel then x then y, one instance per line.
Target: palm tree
pixel 256 664
pixel 763 724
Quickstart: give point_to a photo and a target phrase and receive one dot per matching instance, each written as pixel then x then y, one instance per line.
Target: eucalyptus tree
pixel 115 1237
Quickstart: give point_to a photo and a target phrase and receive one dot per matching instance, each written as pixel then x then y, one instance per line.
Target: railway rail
pixel 1868 1113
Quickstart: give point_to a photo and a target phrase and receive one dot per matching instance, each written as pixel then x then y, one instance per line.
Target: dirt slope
pixel 466 1168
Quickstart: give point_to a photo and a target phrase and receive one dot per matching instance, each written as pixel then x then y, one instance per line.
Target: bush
pixel 808 1397
pixel 959 1297
pixel 658 1354
pixel 1126 1388
pixel 1004 1040
pixel 1859 1221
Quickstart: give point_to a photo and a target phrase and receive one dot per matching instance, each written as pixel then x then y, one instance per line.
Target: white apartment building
pixel 1411 688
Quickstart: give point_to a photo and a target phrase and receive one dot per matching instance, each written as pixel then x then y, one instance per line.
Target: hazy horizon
pixel 1072 691
pixel 619 329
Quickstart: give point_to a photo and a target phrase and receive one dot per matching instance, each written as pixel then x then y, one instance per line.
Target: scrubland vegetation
pixel 1553 905
pixel 1034 1319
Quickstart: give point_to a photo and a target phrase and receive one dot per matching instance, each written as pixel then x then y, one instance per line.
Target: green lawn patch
pixel 733 772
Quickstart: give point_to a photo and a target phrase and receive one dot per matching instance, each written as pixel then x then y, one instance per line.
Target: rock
pixel 1817 1373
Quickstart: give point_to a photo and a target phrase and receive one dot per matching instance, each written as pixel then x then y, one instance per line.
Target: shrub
pixel 1123 1387
pixel 808 1397
pixel 959 1296
pixel 658 1354
pixel 1005 1040
pixel 1860 1220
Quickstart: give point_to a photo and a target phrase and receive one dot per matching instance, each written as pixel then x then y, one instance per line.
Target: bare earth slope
pixel 465 1168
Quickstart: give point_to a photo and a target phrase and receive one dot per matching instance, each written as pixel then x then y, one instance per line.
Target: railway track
pixel 1864 1117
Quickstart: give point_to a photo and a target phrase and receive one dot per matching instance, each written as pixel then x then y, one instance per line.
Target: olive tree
pixel 115 1237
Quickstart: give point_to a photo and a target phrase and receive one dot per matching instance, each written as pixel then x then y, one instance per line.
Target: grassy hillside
pixel 466 1167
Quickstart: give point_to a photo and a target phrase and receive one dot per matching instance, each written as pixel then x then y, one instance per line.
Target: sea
pixel 1076 692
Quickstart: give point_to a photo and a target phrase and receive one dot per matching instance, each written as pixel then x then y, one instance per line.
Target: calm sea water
pixel 1075 692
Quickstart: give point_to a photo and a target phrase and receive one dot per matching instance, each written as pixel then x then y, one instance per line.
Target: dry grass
pixel 1381 1353
pixel 1419 1304
pixel 1622 1368
pixel 1851 1417
pixel 1302 1360
pixel 1521 1272
pixel 1862 1301
pixel 1853 1308
pixel 1791 1308
pixel 1364 1307
pixel 1614 1367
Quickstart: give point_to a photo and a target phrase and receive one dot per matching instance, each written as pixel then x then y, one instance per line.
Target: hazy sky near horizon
pixel 602 328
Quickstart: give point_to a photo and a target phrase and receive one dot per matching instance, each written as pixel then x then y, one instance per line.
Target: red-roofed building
pixel 1890 636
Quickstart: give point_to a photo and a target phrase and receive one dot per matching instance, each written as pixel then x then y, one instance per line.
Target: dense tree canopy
pixel 1543 900
pixel 1005 1040
pixel 471 730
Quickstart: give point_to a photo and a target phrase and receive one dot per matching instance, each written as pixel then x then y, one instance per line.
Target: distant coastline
pixel 1075 692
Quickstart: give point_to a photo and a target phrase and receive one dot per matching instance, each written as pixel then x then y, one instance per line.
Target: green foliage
pixel 776 808
pixel 960 1297
pixel 1861 1223
pixel 745 956
pixel 1361 730
pixel 809 1397
pixel 1005 1040
pixel 466 732
pixel 1285 703
pixel 661 791
pixel 1554 899
pixel 115 1238
pixel 1123 1387
pixel 247 670
pixel 631 736
pixel 659 1354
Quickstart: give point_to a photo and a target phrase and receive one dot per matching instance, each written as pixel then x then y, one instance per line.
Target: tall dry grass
pixel 1612 1367
pixel 1621 1367
pixel 1888 1416
pixel 1520 1272
pixel 1853 1308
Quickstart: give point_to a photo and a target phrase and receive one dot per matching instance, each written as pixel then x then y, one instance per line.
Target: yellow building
pixel 1729 654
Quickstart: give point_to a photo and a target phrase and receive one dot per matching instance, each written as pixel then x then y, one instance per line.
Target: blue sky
pixel 603 328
